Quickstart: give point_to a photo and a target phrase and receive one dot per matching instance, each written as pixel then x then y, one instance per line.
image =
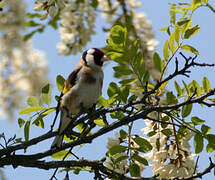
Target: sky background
pixel 158 13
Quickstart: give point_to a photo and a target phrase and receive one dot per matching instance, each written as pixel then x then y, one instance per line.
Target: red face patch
pixel 99 51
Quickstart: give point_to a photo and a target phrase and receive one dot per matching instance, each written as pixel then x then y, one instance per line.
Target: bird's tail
pixel 64 122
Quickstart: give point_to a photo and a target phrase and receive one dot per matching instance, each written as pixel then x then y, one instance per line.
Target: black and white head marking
pixel 93 57
pixel 84 57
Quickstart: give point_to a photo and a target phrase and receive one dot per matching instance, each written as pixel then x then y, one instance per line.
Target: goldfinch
pixel 81 90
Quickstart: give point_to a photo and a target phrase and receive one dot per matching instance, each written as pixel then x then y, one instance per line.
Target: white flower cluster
pixel 22 74
pixel 118 167
pixel 12 21
pixel 50 6
pixel 171 159
pixel 22 69
pixel 108 11
pixel 121 166
pixel 77 27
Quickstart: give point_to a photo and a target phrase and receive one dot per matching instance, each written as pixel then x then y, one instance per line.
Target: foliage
pixel 139 96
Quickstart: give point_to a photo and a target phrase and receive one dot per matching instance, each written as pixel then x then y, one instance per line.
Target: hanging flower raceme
pixel 76 32
pixel 23 70
pixel 169 157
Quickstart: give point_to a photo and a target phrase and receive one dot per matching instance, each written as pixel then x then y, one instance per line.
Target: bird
pixel 81 90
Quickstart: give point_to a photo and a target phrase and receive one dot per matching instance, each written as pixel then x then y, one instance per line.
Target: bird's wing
pixel 71 80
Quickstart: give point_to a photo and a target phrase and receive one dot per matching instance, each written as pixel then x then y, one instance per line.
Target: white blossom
pixel 172 159
pixel 23 73
pixel 113 141
pixel 134 4
pixel 22 69
pixel 76 32
pixel 50 7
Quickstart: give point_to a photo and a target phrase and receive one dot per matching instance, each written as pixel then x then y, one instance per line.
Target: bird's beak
pixel 105 58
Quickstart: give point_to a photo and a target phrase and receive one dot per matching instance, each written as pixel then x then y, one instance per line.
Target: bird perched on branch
pixel 81 90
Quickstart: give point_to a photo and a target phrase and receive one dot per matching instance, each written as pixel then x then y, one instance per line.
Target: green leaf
pixel 186 25
pixel 124 93
pixel 186 110
pixel 117 149
pixel 46 94
pixel 198 143
pixel 122 71
pixel 53 22
pixel 60 82
pixel 186 88
pixel 29 110
pixel 170 98
pixel 106 103
pixel 191 31
pixel 164 29
pixel 190 49
pixel 99 122
pixel 120 158
pixel 195 4
pixel 140 159
pixel 151 133
pixel 39 121
pixel 172 42
pixel 102 102
pixel 172 13
pixel 61 154
pixel 178 89
pixel 196 88
pixel 29 35
pixel 183 21
pixel 33 101
pixel 165 119
pixel 210 148
pixel 117 115
pixel 27 130
pixel 123 134
pixel 197 121
pixel 113 89
pixel 157 61
pixel 177 33
pixel 118 34
pixel 116 56
pixel 33 15
pixel 134 170
pixel 21 122
pixel 206 84
pixel 48 111
pixel 128 81
pixel 167 132
pixel 31 24
pixel 143 143
pixel 166 50
pixel 205 129
pixel 210 138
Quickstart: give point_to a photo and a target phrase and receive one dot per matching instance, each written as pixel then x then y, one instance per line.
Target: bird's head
pixel 94 57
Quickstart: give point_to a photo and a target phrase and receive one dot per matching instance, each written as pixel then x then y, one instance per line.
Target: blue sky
pixel 158 13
